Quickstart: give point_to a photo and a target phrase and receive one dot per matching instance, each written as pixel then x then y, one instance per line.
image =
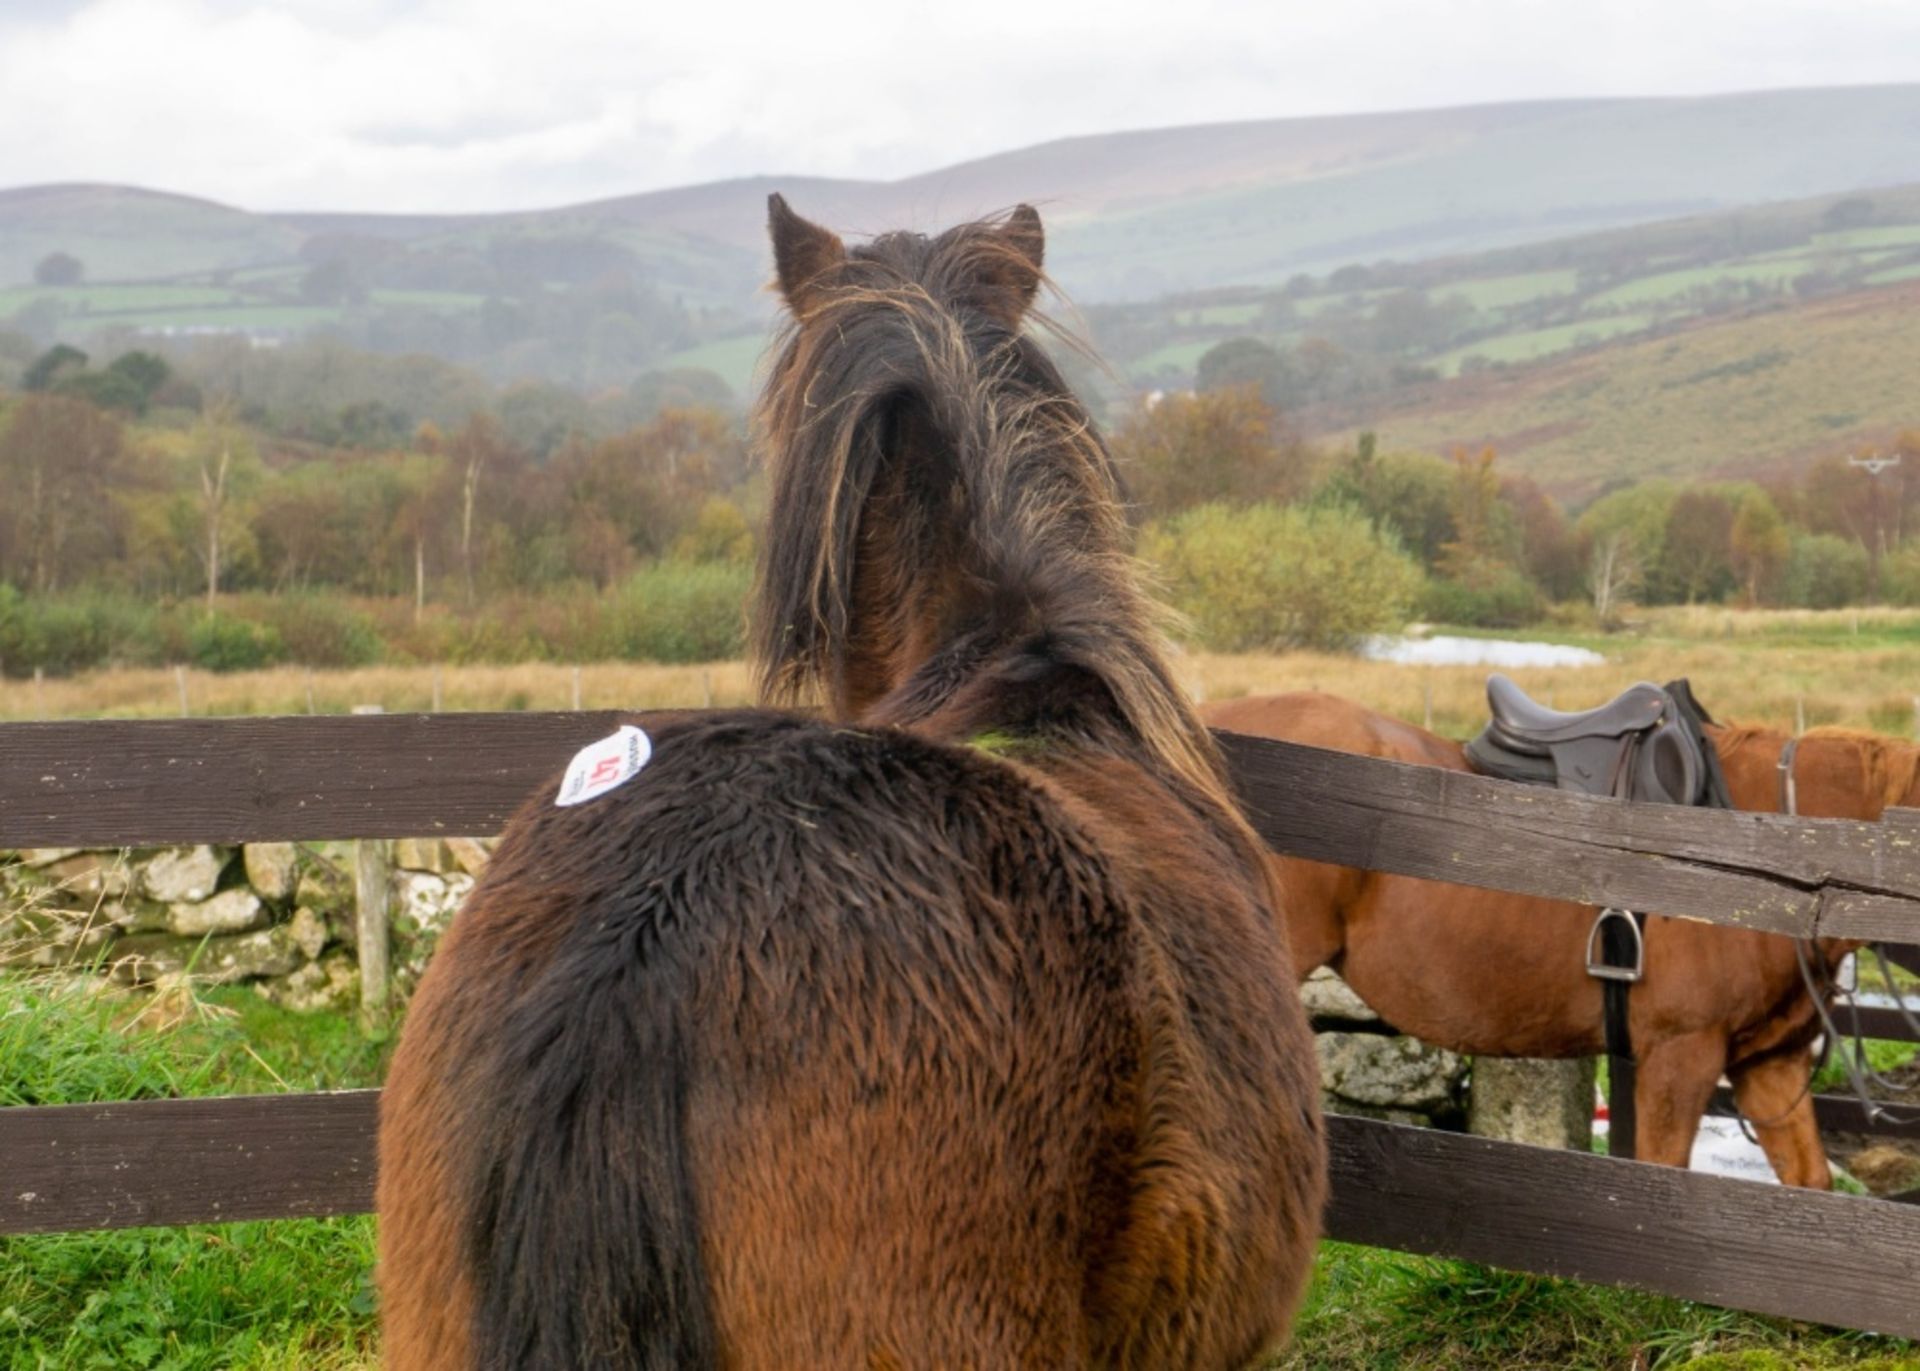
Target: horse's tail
pixel 583 1233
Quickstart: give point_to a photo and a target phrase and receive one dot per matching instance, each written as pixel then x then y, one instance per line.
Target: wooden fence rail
pixel 1835 1259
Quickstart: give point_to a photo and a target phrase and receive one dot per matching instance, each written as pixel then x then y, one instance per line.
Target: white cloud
pixel 471 104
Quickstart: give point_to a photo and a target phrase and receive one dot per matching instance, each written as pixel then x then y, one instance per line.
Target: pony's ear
pixel 1013 269
pixel 803 252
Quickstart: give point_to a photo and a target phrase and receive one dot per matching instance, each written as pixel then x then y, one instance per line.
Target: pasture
pixel 295 1293
pixel 1858 668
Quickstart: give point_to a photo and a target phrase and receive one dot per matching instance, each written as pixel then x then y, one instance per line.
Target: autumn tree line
pixel 336 509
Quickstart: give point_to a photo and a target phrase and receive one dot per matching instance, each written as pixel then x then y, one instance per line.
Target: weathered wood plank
pixel 1834 1259
pixel 1843 1114
pixel 1760 871
pixel 1757 1247
pixel 1876 1022
pixel 165 1162
pixel 150 782
pixel 228 780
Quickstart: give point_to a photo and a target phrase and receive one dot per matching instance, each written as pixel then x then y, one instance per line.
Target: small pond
pixel 1447 650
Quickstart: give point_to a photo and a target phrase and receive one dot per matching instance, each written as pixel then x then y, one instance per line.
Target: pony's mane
pixel 1890 767
pixel 911 323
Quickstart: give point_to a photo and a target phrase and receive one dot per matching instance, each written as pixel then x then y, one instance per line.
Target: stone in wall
pixel 272 870
pixel 182 875
pixel 1330 1001
pixel 1387 1072
pixel 331 983
pixel 235 910
pixel 142 958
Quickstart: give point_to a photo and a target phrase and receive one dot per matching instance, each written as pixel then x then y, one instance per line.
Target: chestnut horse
pixel 956 1029
pixel 1484 971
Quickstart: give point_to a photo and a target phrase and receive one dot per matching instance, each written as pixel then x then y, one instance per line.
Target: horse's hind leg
pixel 1675 1079
pixel 1773 1093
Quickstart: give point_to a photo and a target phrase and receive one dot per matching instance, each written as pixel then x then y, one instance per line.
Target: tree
pixel 53 366
pixel 59 460
pixel 1612 572
pixel 226 469
pixel 1242 362
pixel 58 269
pixel 1186 450
pixel 1758 546
pixel 1697 560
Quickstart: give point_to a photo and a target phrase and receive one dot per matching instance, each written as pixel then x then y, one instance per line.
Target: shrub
pixel 1494 597
pixel 680 612
pixel 1825 571
pixel 1268 577
pixel 320 630
pixel 68 633
pixel 222 643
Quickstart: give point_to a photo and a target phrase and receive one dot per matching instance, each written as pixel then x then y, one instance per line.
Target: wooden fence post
pixel 180 683
pixel 373 921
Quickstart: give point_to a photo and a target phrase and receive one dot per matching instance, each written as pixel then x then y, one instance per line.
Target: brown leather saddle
pixel 1644 744
pixel 1648 743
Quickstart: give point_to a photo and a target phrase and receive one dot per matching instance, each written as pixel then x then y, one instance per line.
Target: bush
pixel 1268 577
pixel 222 643
pixel 1825 571
pixel 680 612
pixel 1495 597
pixel 319 630
pixel 1900 575
pixel 69 633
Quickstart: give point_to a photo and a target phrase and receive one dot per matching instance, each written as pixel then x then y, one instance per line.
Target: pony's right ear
pixel 803 252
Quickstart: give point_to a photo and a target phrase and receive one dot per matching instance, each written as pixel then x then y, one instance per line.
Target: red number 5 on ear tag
pixel 599 767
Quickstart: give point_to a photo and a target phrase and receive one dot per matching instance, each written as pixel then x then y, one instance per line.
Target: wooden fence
pixel 1830 1258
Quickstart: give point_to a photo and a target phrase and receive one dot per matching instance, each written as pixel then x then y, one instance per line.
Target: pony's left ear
pixel 1014 272
pixel 803 252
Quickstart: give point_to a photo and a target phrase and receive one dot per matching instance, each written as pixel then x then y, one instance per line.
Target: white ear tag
pixel 599 767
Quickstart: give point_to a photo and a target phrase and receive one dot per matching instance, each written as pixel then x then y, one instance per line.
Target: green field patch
pixel 1890 235
pixel 1888 275
pixel 450 300
pixel 1543 342
pixel 1217 316
pixel 1183 356
pixel 733 360
pixel 276 317
pixel 115 299
pixel 1671 284
pixel 1503 292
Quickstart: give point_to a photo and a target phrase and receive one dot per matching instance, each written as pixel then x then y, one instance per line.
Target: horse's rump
pixel 814 1046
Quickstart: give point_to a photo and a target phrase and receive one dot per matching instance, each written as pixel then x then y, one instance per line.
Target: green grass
pixel 104 299
pixel 1502 292
pixel 294 1293
pixel 1541 342
pixel 1370 1310
pixel 733 360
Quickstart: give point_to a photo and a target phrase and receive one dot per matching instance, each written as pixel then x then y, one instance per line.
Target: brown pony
pixel 957 1030
pixel 1499 974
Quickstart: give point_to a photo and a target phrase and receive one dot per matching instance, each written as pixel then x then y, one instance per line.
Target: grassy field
pixel 1858 668
pixel 1735 395
pixel 297 1294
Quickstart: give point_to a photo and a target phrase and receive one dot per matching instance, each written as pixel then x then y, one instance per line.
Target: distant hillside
pixel 1727 397
pixel 587 293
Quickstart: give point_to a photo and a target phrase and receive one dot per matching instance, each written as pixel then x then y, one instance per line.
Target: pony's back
pixel 967 1040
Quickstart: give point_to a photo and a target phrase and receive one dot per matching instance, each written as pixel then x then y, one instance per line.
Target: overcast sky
pixel 437 105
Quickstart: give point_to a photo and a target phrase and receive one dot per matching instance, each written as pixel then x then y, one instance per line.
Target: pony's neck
pixel 1838 773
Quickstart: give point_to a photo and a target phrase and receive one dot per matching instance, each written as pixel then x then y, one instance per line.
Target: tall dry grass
pixel 1739 674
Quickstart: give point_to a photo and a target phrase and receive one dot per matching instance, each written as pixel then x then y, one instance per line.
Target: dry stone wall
pixel 278 916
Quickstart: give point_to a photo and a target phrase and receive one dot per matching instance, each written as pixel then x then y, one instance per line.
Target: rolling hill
pixel 1141 213
pixel 1725 397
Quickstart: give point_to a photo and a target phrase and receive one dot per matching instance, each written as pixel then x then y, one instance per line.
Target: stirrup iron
pixel 1598 966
